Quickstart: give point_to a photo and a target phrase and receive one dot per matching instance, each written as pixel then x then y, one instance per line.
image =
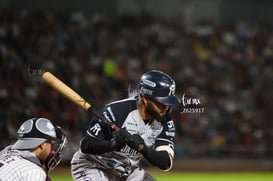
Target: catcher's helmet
pixel 34 132
pixel 158 86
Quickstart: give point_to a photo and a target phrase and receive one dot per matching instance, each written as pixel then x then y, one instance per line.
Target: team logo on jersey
pixel 129 151
pixel 156 125
pixel 95 129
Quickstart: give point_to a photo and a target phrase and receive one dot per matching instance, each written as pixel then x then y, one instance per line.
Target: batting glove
pixel 119 139
pixel 136 142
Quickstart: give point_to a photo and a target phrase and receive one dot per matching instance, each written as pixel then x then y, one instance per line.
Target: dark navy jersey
pixel 124 113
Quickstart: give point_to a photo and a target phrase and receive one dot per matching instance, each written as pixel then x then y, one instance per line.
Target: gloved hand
pixel 119 139
pixel 136 142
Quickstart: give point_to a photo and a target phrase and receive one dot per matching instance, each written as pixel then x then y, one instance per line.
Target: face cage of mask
pixel 55 156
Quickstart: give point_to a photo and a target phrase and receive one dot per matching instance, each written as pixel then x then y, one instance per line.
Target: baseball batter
pixel 37 151
pixel 147 130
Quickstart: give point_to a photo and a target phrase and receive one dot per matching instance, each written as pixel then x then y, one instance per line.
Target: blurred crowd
pixel 226 67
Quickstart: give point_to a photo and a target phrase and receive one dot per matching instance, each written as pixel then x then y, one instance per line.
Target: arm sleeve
pixel 161 157
pixel 97 139
pixel 90 145
pixel 163 152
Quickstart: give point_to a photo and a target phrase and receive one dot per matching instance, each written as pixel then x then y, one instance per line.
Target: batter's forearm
pixel 160 159
pixel 93 146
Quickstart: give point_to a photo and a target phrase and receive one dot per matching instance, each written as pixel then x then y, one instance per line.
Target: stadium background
pixel 219 52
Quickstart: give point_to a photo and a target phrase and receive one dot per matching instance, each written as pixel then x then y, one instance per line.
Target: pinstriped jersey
pixel 124 113
pixel 15 167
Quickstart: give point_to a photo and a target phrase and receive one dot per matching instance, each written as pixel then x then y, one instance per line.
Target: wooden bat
pixel 73 96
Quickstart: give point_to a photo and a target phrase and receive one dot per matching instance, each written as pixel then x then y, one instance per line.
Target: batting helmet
pixel 158 86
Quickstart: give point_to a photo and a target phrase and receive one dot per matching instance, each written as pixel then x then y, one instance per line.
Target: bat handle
pixel 115 127
pixel 93 111
pixel 105 121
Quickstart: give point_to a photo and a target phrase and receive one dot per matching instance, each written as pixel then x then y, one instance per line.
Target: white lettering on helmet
pixel 146 91
pixel 172 89
pixel 149 83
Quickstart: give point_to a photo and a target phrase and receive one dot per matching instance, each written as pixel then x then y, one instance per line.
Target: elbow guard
pixel 161 157
pixel 169 150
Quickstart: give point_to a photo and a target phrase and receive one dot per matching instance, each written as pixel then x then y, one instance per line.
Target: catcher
pixel 36 152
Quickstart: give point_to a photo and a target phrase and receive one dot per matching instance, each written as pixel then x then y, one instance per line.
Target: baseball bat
pixel 73 96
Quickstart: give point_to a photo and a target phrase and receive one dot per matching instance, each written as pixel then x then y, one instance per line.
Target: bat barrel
pixel 66 91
